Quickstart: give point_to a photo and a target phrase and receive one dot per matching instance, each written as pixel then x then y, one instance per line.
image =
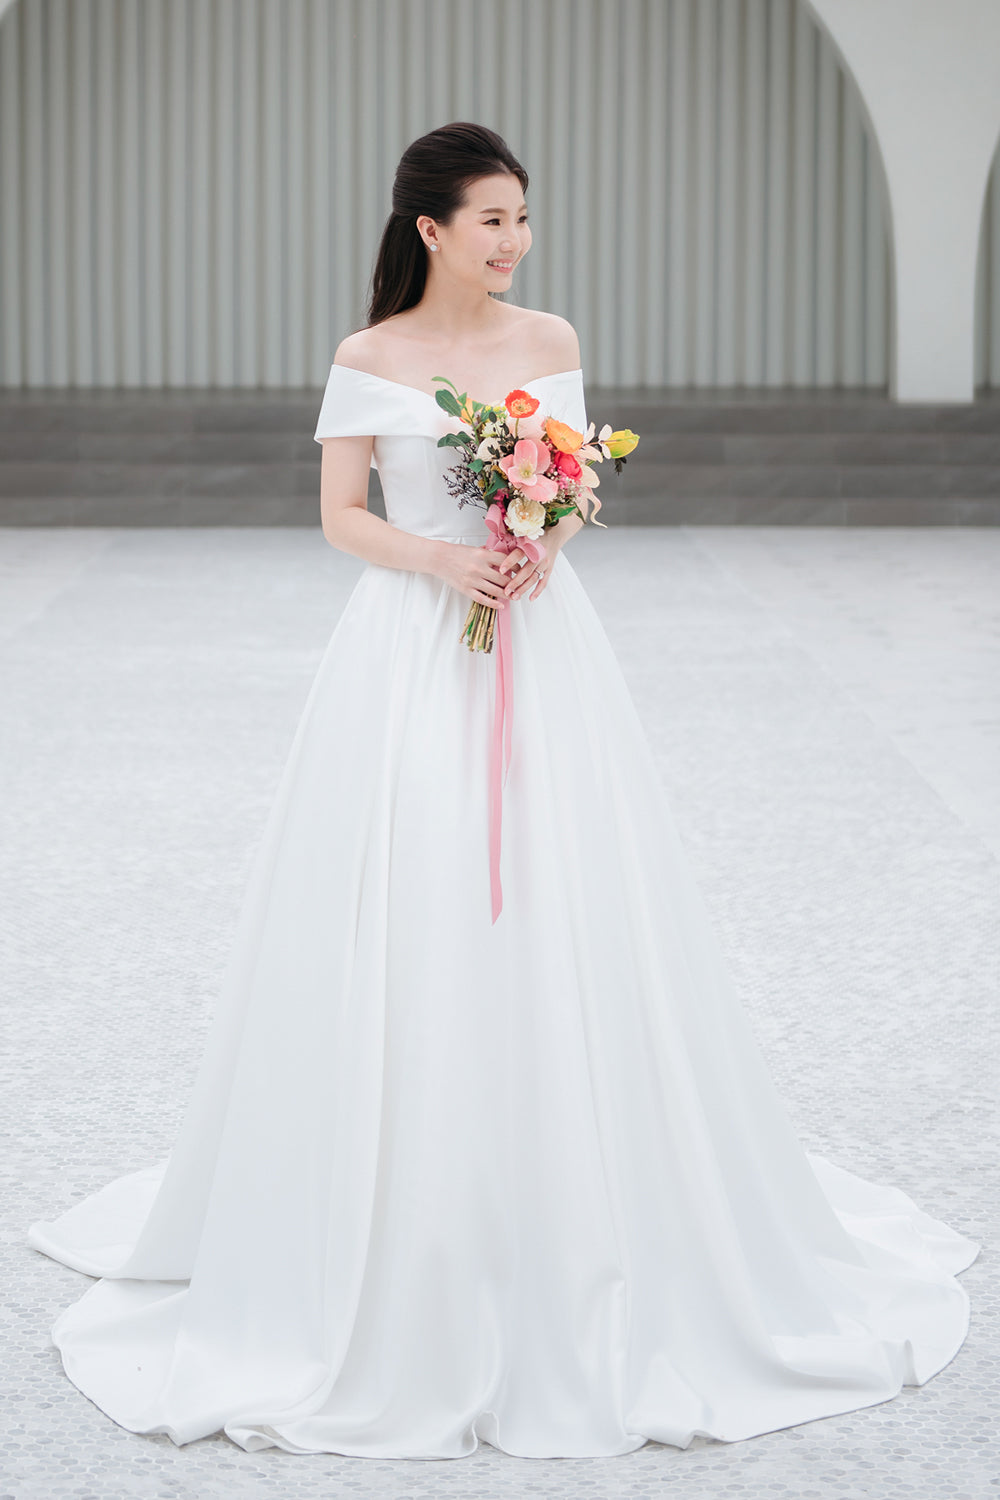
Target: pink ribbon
pixel 502 540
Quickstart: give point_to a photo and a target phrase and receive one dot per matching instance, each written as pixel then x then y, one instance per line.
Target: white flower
pixel 486 449
pixel 525 517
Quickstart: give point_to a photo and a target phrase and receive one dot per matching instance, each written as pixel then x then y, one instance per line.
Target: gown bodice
pixel 406 424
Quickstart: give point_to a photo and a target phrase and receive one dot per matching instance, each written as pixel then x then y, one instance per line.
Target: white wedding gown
pixel 443 1180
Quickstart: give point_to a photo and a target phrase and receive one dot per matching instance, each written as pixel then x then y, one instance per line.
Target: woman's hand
pixel 528 574
pixel 473 571
pixel 535 575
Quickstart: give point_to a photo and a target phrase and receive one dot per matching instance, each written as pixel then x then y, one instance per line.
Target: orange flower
pixel 562 436
pixel 520 404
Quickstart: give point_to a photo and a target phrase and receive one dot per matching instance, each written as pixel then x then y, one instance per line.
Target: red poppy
pixel 520 404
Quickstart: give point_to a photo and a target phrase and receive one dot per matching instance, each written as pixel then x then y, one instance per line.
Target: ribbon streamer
pixel 502 540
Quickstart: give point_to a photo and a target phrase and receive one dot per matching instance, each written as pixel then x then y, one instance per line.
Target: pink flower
pixel 525 469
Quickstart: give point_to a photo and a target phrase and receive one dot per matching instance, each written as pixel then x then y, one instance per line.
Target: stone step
pixel 193 449
pixel 237 457
pixel 640 477
pixel 793 510
pixel 60 413
pixel 788 412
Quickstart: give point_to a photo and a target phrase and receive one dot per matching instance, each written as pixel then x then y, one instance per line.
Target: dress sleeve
pixel 345 412
pixel 358 404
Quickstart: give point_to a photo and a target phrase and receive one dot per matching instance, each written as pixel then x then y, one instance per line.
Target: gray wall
pixel 191 191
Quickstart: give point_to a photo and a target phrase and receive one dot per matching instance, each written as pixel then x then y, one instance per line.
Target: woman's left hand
pixel 534 574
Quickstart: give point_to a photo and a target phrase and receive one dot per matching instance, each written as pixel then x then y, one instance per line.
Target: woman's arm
pixel 347 522
pixel 351 527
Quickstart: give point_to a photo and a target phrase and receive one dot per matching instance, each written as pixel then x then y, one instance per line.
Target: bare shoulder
pixel 553 339
pixel 360 350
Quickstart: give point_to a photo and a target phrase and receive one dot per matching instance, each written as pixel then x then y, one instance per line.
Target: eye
pixel 523 220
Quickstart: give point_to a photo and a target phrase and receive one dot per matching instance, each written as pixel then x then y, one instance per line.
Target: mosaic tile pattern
pixel 823 706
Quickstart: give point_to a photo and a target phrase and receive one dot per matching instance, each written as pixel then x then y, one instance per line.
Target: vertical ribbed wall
pixel 192 190
pixel 988 286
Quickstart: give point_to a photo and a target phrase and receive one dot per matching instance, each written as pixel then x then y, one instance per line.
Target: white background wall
pixel 192 190
pixel 929 78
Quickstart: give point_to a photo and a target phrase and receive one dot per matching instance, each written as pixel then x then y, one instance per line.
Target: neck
pixel 456 312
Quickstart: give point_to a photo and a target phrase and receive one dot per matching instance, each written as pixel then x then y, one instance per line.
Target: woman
pixel 445 1179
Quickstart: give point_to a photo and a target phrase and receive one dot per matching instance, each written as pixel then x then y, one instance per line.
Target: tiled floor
pixel 824 708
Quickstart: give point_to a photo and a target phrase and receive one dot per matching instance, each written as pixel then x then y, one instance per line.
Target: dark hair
pixel 431 178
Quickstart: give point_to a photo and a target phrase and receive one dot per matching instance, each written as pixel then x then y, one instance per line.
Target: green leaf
pixel 448 403
pixel 453 440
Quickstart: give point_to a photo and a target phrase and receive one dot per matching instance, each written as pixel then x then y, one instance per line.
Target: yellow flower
pixel 620 443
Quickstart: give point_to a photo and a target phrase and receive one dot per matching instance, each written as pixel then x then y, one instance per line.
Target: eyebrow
pixel 496 210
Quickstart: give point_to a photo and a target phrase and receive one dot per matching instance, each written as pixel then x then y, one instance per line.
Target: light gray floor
pixel 824 708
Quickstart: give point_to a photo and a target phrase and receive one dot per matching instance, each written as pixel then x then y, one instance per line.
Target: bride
pixel 445 1179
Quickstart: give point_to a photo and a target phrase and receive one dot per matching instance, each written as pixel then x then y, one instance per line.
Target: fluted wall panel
pixel 192 191
pixel 988 286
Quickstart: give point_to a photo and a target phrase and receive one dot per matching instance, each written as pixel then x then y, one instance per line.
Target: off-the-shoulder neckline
pixel 402 385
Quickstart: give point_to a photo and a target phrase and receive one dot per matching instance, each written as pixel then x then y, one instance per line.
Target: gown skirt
pixel 442 1180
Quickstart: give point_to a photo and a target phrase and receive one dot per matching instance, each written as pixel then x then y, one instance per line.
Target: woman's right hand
pixel 475 572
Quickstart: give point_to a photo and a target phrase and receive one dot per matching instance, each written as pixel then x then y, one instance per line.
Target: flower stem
pixel 477 632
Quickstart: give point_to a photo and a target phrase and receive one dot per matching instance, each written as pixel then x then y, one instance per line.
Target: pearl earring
pixel 434 247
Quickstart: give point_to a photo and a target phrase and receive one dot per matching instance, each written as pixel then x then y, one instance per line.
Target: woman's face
pixel 491 226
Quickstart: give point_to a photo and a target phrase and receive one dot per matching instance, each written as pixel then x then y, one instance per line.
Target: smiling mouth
pixel 501 265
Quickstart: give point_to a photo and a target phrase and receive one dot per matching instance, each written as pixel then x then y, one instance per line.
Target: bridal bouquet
pixel 527 472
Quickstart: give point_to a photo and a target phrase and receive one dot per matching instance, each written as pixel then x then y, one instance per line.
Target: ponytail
pixel 432 178
pixel 400 273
